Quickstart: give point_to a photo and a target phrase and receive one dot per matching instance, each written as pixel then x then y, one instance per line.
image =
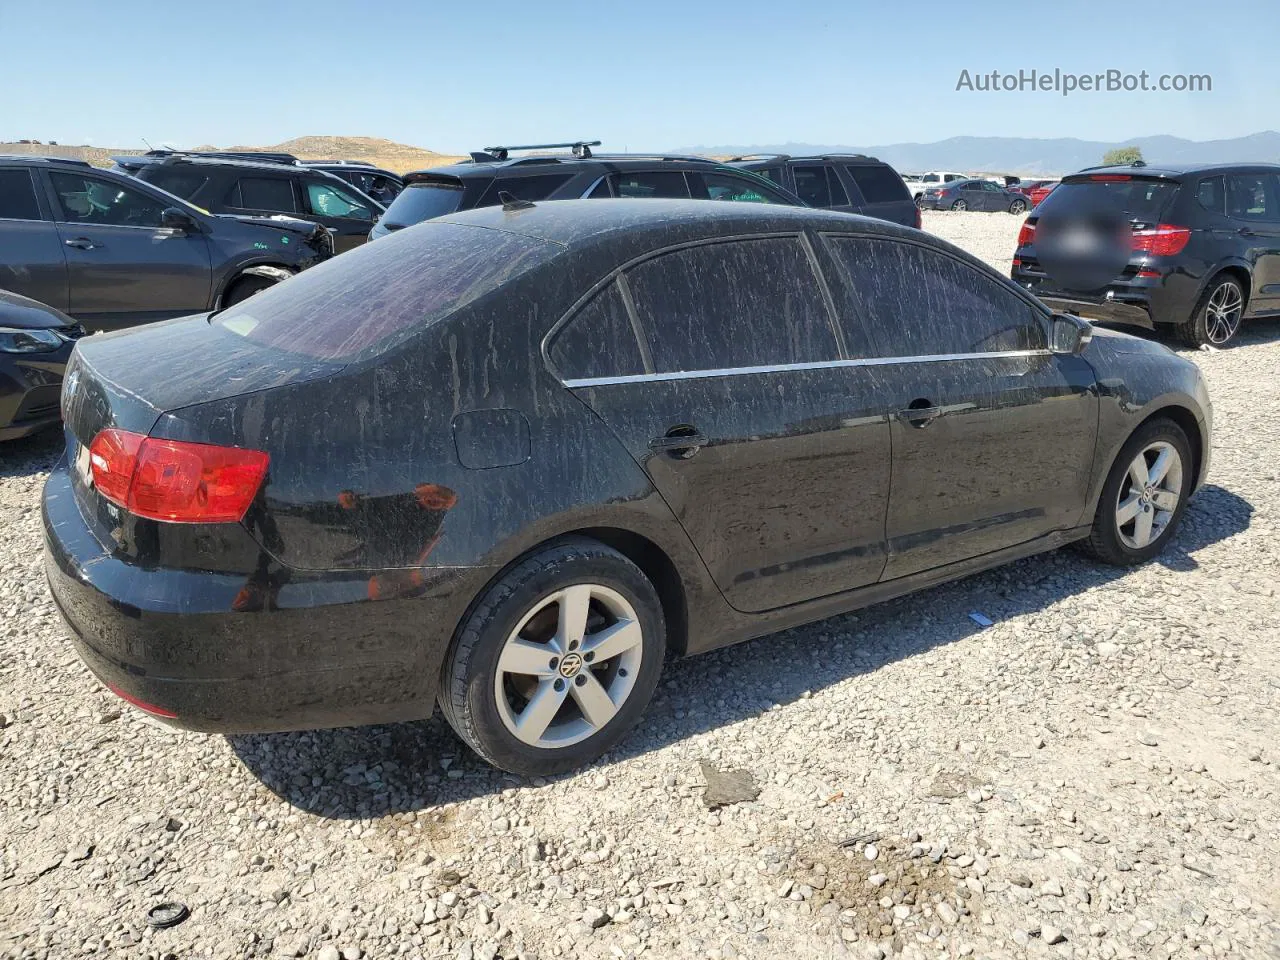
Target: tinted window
pixel 331 200
pixel 818 187
pixel 424 201
pixel 181 183
pixel 263 193
pixel 599 341
pixel 600 190
pixel 1211 194
pixel 525 188
pixel 878 184
pixel 17 196
pixel 743 303
pixel 363 301
pixel 918 302
pixel 1252 196
pixel 89 200
pixel 654 184
pixel 773 173
pixel 1136 199
pixel 722 186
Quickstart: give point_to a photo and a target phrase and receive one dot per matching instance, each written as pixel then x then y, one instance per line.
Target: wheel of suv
pixel 1216 317
pixel 556 661
pixel 246 287
pixel 1018 207
pixel 1144 497
pixel 960 205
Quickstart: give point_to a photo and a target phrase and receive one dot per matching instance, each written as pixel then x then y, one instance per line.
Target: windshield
pixel 1139 200
pixel 361 303
pixel 424 200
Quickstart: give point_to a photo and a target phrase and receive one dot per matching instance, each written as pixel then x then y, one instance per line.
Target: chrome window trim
pixel 793 367
pixel 586 194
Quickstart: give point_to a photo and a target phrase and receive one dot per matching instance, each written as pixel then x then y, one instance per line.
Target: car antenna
pixel 147 142
pixel 510 202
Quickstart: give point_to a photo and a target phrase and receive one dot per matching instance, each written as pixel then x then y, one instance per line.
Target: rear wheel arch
pixel 1240 273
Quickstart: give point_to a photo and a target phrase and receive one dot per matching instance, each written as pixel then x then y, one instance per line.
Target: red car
pixel 1040 191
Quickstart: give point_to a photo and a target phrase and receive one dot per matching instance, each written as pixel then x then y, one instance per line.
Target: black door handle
pixel 81 243
pixel 920 413
pixel 680 442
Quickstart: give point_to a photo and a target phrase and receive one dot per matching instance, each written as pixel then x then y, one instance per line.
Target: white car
pixel 918 183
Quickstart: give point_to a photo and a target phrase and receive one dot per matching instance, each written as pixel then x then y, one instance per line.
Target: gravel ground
pixel 1095 775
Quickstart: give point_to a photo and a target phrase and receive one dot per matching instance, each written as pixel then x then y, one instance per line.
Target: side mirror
pixel 174 218
pixel 1069 333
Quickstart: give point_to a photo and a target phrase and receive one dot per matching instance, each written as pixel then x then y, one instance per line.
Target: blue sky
pixel 657 74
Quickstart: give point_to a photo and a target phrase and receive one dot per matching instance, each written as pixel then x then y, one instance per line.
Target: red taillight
pixel 919 219
pixel 1027 235
pixel 1110 178
pixel 174 480
pixel 1161 241
pixel 1017 262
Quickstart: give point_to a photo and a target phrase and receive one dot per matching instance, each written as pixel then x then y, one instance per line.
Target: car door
pixel 123 267
pixel 992 434
pixel 1253 205
pixel 32 261
pixel 348 213
pixel 972 194
pixel 772 453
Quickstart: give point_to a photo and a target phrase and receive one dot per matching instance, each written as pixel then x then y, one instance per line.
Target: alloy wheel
pixel 960 205
pixel 1149 495
pixel 1223 311
pixel 568 666
pixel 1018 206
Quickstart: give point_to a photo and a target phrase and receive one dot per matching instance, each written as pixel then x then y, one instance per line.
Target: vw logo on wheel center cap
pixel 570 664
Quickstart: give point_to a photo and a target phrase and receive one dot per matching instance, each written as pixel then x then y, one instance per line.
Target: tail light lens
pixel 919 219
pixel 1161 241
pixel 1027 235
pixel 174 480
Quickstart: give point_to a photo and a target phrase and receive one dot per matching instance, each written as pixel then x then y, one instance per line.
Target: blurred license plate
pixel 82 466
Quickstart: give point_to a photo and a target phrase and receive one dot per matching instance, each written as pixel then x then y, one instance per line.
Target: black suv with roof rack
pixel 260 184
pixel 1196 248
pixel 852 183
pixel 113 251
pixel 493 176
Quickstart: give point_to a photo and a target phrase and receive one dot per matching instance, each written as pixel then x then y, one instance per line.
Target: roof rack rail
pixel 581 149
pixel 263 156
pixel 338 163
pixel 848 156
pixel 761 156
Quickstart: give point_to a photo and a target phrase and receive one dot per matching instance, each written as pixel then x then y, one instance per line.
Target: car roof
pixel 1176 169
pixel 13 159
pixel 572 222
pixel 235 163
pixel 536 163
pixel 765 159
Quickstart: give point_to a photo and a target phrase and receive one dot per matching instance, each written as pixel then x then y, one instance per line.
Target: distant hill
pixel 384 153
pixel 1021 155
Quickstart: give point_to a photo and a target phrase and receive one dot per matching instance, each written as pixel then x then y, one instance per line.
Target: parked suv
pixel 1194 248
pixel 234 184
pixel 492 174
pixel 113 251
pixel 383 185
pixel 852 183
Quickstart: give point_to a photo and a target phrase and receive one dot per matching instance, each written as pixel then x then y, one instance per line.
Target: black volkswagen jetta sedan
pixel 508 459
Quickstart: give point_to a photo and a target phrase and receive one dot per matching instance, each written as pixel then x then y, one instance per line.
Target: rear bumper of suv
pixel 1137 301
pixel 227 653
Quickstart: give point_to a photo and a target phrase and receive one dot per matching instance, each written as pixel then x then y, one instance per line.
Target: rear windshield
pixel 1136 199
pixel 362 303
pixel 878 184
pixel 424 200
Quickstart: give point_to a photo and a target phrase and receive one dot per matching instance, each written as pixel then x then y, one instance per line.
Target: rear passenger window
pixel 878 184
pixel 818 186
pixel 917 302
pixel 524 188
pixel 17 196
pixel 598 341
pixel 181 183
pixel 1253 196
pixel 657 184
pixel 742 303
pixel 1211 194
pixel 263 193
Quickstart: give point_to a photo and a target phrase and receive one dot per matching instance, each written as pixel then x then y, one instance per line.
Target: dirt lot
pixel 1095 775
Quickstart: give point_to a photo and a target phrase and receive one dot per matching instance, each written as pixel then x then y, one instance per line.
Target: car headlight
pixel 28 341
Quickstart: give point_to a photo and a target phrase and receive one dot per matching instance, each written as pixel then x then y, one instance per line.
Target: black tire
pixel 1105 541
pixel 467 694
pixel 1018 207
pixel 960 205
pixel 246 287
pixel 1198 329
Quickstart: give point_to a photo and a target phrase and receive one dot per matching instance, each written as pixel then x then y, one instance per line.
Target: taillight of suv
pixel 1162 240
pixel 1027 235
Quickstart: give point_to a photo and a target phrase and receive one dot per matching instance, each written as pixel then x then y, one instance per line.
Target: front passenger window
pixel 93 201
pixel 328 200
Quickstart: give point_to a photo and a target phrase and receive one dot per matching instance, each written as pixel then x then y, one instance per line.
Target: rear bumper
pixel 1137 301
pixel 274 650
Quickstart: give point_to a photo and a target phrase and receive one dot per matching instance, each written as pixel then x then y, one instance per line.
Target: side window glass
pixel 264 193
pixel 773 173
pixel 524 188
pixel 598 341
pixel 18 196
pixel 180 182
pixel 812 186
pixel 601 190
pixel 330 200
pixel 722 186
pixel 878 184
pixel 89 200
pixel 742 303
pixel 657 184
pixel 839 196
pixel 918 302
pixel 1249 199
pixel 1211 194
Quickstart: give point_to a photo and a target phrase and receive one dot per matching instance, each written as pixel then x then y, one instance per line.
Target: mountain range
pixel 1025 156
